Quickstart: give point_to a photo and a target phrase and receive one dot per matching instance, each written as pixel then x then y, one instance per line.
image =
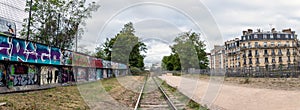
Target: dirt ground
pixel 239 94
pixel 263 83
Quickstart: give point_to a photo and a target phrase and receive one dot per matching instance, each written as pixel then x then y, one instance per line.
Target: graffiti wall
pixel 14 49
pixel 67 58
pixel 81 74
pixel 49 75
pixel 92 74
pixel 99 74
pixel 67 75
pixel 21 75
pixel 80 60
pixel 2 75
pixel 105 73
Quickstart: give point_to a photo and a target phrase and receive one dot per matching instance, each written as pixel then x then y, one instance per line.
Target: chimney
pixel 287 30
pixel 244 33
pixel 250 31
pixel 258 30
pixel 273 30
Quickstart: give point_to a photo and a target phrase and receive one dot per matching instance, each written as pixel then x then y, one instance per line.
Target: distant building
pixel 270 49
pixel 217 57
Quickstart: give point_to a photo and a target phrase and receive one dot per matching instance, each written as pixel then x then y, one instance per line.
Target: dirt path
pixel 238 98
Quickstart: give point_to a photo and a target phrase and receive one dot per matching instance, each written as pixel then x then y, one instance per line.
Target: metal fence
pixel 292 71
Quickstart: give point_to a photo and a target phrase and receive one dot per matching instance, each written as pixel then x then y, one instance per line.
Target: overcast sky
pixel 163 20
pixel 158 22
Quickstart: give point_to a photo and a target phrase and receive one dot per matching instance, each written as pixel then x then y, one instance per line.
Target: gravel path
pixel 237 98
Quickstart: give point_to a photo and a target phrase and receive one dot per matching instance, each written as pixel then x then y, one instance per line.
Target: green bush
pixel 135 70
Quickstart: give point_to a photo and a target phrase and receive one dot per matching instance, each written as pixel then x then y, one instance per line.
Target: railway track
pixel 152 96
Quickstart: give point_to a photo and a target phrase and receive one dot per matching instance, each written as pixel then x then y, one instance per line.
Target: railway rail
pixel 156 98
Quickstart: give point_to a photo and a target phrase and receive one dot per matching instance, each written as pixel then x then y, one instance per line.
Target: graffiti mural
pixel 49 75
pixel 104 73
pixel 80 60
pixel 99 74
pixel 67 75
pixel 14 49
pixel 81 74
pixel 23 75
pixel 66 58
pixel 2 75
pixel 92 74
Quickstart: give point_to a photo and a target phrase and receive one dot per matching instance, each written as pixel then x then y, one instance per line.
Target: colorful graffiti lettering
pixel 92 74
pixel 2 75
pixel 24 51
pixel 81 74
pixel 49 75
pixel 80 60
pixel 22 80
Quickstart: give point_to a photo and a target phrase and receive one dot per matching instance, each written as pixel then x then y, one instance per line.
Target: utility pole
pixel 29 19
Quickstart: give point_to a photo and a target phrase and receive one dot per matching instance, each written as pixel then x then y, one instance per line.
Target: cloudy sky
pixel 163 20
pixel 158 22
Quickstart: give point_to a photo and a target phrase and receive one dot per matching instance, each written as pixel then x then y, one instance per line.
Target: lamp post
pixel 29 19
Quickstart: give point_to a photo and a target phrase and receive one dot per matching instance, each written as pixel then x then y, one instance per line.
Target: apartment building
pixel 217 57
pixel 263 49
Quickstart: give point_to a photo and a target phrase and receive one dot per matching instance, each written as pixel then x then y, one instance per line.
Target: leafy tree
pixel 171 62
pixel 125 47
pixel 57 22
pixel 189 49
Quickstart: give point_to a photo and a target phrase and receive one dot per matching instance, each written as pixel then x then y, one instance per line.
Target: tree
pixel 57 22
pixel 125 47
pixel 189 50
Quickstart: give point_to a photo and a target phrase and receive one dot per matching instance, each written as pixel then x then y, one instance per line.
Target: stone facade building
pixel 217 57
pixel 270 49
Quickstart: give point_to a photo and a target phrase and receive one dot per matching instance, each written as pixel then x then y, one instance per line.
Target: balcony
pixel 280 54
pixel 266 54
pixel 288 53
pixel 256 55
pixel 257 62
pixel 273 61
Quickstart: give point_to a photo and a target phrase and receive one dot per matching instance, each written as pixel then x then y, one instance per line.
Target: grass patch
pixel 182 98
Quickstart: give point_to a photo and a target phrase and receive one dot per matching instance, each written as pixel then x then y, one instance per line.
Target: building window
pixel 279 52
pixel 256 52
pixel 249 44
pixel 287 43
pixel 289 59
pixel 292 36
pixel 257 60
pixel 280 59
pixel 266 52
pixel 265 36
pixel 256 44
pixel 266 60
pixel 279 36
pixel 271 36
pixel 265 44
pixel 250 60
pixel 273 60
pixel 279 43
pixel 255 36
pixel 287 36
pixel 272 44
pixel 273 51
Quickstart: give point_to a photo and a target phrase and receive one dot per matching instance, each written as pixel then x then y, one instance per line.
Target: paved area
pixel 234 97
